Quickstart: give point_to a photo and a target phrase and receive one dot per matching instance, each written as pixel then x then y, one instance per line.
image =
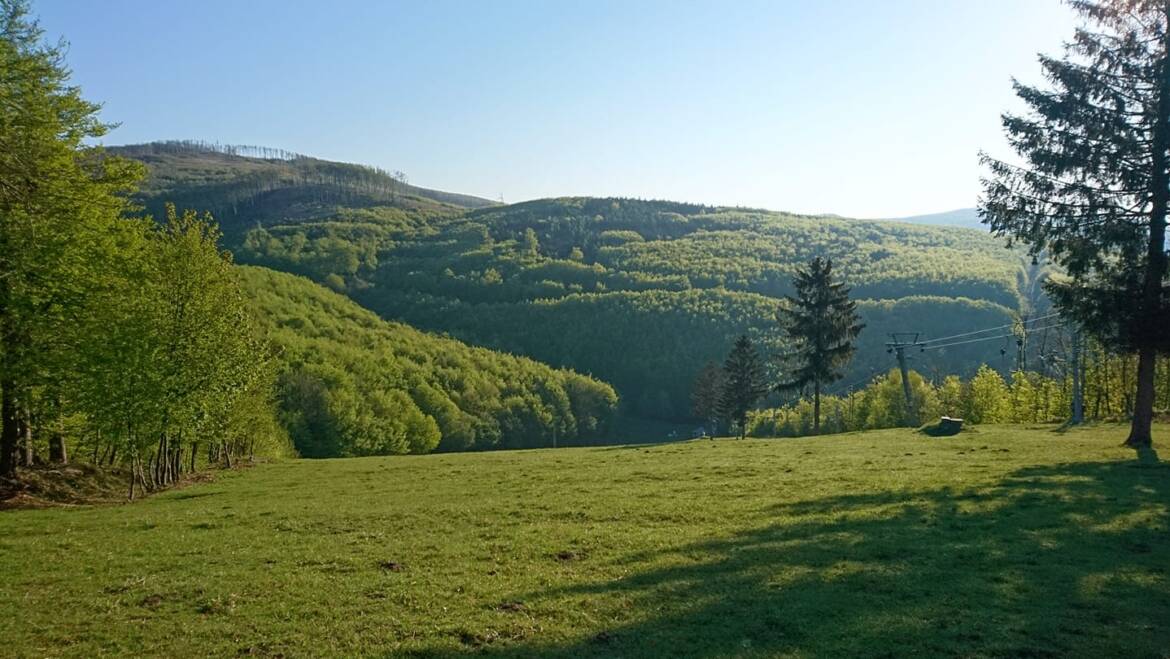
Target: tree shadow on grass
pixel 1069 560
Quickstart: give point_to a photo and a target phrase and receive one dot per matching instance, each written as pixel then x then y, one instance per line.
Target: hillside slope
pixel 246 186
pixel 641 294
pixel 1001 542
pixel 638 293
pixel 354 384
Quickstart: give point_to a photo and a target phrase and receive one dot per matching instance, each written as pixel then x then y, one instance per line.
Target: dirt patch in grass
pixel 43 486
pixel 80 484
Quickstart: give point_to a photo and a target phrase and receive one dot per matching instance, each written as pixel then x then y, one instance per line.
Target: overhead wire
pixel 990 338
pixel 984 331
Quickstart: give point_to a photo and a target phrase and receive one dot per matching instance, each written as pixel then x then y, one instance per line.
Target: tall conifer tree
pixel 1094 183
pixel 705 394
pixel 744 383
pixel 821 323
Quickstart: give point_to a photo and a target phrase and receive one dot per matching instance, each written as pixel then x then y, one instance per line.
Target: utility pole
pixel 897 345
pixel 1078 384
pixel 1022 345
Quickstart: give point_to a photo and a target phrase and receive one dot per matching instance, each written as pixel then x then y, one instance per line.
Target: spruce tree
pixel 821 323
pixel 743 383
pixel 705 394
pixel 1093 185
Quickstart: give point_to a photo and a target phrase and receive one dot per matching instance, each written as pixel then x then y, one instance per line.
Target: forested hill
pixel 637 293
pixel 244 185
pixel 351 383
pixel 641 294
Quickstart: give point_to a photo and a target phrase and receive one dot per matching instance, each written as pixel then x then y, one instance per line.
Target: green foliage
pixel 169 353
pixel 1092 189
pixel 244 186
pixel 60 201
pixel 1027 397
pixel 743 383
pixel 705 394
pixel 987 399
pixel 353 384
pixel 638 293
pixel 821 325
pixel 567 281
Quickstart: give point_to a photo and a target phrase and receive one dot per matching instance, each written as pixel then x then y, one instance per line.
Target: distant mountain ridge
pixel 967 218
pixel 245 185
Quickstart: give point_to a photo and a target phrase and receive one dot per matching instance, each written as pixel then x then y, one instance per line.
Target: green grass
pixel 1000 542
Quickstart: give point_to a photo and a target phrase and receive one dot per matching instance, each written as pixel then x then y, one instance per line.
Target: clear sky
pixel 867 108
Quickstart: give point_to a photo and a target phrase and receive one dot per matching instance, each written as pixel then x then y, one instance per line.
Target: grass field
pixel 999 542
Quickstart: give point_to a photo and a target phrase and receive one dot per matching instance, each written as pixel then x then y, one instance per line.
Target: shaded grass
pixel 1003 541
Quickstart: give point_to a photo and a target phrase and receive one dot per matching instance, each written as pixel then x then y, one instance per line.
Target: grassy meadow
pixel 1002 541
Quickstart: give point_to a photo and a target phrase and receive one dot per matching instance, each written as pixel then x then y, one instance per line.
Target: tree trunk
pixel 817 407
pixel 194 449
pixel 1143 413
pixel 1150 330
pixel 9 431
pixel 160 476
pixel 57 451
pixel 28 451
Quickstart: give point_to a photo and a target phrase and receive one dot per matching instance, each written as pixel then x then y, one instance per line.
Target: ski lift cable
pixel 989 338
pixel 989 329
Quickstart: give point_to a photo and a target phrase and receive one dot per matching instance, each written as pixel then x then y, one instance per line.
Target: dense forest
pixel 350 383
pixel 1041 395
pixel 638 293
pixel 641 293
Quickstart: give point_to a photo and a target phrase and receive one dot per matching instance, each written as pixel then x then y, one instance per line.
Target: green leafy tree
pixel 883 402
pixel 1094 186
pixel 58 198
pixel 950 396
pixel 822 323
pixel 988 398
pixel 744 383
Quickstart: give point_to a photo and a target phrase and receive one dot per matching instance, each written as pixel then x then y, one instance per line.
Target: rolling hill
pixel 243 186
pixel 353 384
pixel 637 293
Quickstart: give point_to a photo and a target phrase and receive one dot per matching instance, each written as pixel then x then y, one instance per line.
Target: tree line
pixel 125 339
pixel 135 341
pixel 821 325
pixel 987 397
pixel 1089 191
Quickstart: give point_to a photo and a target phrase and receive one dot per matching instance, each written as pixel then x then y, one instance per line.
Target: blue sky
pixel 858 107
